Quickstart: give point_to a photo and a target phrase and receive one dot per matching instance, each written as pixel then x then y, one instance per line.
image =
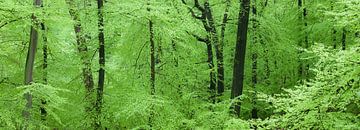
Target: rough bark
pixel 239 60
pixel 100 88
pixel 220 54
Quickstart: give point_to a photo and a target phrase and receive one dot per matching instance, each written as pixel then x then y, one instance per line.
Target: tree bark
pixel 343 39
pixel 100 88
pixel 220 54
pixel 303 67
pixel 44 67
pixel 254 56
pixel 152 67
pixel 30 59
pixel 239 60
pixel 86 60
pixel 204 18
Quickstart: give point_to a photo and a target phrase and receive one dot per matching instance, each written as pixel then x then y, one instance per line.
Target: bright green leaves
pixel 333 92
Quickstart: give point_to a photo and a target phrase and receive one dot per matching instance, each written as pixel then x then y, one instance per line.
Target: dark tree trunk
pixel 220 54
pixel 212 86
pixel 239 60
pixel 44 67
pixel 152 68
pixel 254 56
pixel 100 88
pixel 218 48
pixel 30 59
pixel 176 65
pixel 213 40
pixel 303 67
pixel 334 38
pixel 343 39
pixel 205 18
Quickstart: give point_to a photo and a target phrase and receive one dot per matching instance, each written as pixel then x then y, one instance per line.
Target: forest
pixel 180 64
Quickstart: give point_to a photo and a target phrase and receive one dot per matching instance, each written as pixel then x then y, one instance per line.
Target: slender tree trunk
pixel 100 88
pixel 44 67
pixel 303 67
pixel 86 60
pixel 239 60
pixel 343 39
pixel 333 29
pixel 152 68
pixel 212 34
pixel 204 18
pixel 254 59
pixel 30 64
pixel 176 65
pixel 334 38
pixel 220 54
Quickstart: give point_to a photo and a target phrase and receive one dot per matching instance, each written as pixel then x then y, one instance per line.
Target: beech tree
pixel 239 60
pixel 29 66
pixel 179 64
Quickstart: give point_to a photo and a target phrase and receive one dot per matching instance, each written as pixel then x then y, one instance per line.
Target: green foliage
pixel 329 101
pixel 11 117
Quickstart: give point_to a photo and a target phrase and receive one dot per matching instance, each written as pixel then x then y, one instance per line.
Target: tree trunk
pixel 204 18
pixel 239 60
pixel 303 67
pixel 44 67
pixel 333 28
pixel 30 59
pixel 100 88
pixel 152 68
pixel 254 56
pixel 86 60
pixel 343 39
pixel 220 54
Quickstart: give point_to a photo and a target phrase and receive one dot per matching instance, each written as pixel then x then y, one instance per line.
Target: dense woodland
pixel 180 64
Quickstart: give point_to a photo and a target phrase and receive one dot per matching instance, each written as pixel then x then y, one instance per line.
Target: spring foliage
pixel 328 98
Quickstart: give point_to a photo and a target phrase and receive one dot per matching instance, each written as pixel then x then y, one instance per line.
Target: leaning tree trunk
pixel 100 88
pixel 218 47
pixel 30 59
pixel 86 60
pixel 208 40
pixel 239 60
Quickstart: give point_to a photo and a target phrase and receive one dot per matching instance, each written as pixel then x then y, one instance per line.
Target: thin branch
pixel 8 22
pixel 200 39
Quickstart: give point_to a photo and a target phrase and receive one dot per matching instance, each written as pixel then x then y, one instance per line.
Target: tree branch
pixel 8 22
pixel 200 39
